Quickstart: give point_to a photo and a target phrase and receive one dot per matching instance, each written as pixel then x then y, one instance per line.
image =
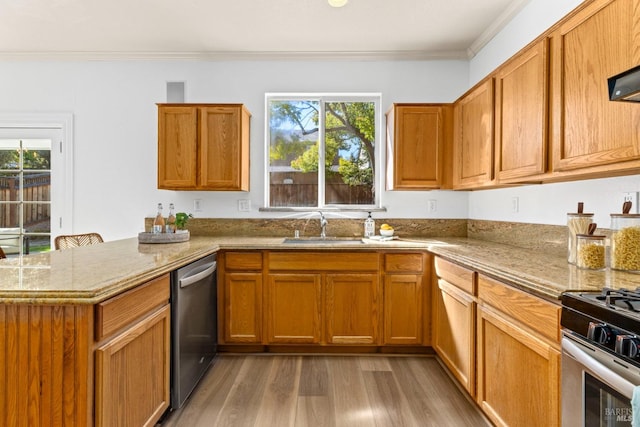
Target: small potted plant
pixel 181 221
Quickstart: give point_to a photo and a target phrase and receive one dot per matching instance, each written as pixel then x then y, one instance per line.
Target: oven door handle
pixel 190 280
pixel 607 376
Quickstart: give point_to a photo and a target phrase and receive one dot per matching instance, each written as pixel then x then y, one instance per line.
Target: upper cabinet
pixel 589 132
pixel 521 115
pixel 473 137
pixel 418 136
pixel 203 147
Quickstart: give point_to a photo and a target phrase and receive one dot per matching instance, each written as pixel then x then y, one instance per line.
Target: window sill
pixel 323 209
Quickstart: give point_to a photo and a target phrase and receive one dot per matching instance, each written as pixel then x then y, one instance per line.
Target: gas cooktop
pixel 609 319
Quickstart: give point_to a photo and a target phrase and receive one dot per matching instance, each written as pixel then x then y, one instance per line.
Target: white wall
pixel 548 203
pixel 115 135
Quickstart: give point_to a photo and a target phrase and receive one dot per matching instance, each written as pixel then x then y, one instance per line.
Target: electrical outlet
pixel 632 196
pixel 432 206
pixel 197 205
pixel 244 205
pixel 515 204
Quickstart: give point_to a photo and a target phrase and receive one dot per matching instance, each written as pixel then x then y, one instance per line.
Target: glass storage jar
pixel 625 242
pixel 590 252
pixel 577 223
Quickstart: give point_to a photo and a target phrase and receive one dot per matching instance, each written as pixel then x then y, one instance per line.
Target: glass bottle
pixel 625 242
pixel 590 252
pixel 577 223
pixel 158 221
pixel 369 226
pixel 171 220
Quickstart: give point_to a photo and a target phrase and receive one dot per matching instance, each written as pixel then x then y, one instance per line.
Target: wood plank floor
pixel 326 391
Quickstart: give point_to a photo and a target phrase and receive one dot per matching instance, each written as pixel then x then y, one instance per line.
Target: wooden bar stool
pixel 75 240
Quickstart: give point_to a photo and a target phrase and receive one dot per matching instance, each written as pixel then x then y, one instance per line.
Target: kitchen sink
pixel 324 241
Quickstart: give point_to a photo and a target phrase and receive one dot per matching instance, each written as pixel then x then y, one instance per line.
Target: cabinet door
pixel 294 308
pixel 132 373
pixel 403 309
pixel 352 314
pixel 521 115
pixel 588 130
pixel 518 374
pixel 417 135
pixel 473 137
pixel 242 307
pixel 177 147
pixel 224 148
pixel 454 330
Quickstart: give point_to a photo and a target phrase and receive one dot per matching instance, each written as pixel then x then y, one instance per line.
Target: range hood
pixel 625 86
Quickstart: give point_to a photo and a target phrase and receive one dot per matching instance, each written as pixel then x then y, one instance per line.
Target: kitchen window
pixel 322 151
pixel 33 189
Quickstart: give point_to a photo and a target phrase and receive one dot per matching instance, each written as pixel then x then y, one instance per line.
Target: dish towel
pixel 635 407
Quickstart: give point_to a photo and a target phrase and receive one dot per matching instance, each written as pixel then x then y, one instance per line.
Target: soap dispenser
pixel 369 226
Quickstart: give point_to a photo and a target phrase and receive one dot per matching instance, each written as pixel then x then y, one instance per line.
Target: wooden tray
pixel 163 237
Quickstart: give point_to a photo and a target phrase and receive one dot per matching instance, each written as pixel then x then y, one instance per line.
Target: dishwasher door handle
pixel 190 280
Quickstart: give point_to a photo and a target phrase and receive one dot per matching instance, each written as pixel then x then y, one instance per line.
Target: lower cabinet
pixel 406 299
pixel 240 297
pixel 294 309
pixel 518 356
pixel 370 298
pixel 454 332
pixel 454 325
pixel 351 308
pixel 132 373
pixel 132 359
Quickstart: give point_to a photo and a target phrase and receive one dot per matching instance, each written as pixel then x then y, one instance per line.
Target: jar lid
pixel 579 214
pixel 620 215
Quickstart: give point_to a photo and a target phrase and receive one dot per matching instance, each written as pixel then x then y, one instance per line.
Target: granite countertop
pixel 91 274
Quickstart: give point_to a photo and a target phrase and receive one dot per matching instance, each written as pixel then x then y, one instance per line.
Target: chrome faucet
pixel 323 226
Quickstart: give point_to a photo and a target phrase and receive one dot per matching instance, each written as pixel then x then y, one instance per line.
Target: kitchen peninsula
pixel 62 310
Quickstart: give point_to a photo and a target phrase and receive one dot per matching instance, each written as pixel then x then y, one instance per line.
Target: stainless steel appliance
pixel 600 357
pixel 193 326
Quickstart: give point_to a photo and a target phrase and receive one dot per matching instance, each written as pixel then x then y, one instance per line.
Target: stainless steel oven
pixel 596 386
pixel 600 358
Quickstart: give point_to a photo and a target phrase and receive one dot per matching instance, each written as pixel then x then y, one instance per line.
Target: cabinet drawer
pixel 123 309
pixel 456 275
pixel 403 263
pixel 324 261
pixel 533 312
pixel 243 260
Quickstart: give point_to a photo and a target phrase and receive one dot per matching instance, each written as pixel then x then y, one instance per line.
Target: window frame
pixel 322 98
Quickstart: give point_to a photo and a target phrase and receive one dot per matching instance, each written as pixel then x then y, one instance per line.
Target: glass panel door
pixel 25 195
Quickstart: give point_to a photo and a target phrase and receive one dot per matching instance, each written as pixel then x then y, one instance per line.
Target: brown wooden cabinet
pixel 406 299
pixel 521 113
pixel 80 365
pixel 454 324
pixel 203 147
pixel 132 358
pixel 518 356
pixel 418 142
pixel 352 308
pixel 590 134
pixel 323 298
pixel 473 137
pixel 240 297
pixel 294 309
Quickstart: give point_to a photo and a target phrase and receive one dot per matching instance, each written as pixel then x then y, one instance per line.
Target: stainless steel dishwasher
pixel 193 326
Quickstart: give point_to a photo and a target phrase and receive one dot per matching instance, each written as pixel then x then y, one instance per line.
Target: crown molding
pixel 235 56
pixel 496 26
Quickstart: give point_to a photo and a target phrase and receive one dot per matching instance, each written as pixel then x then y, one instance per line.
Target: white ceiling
pixel 200 29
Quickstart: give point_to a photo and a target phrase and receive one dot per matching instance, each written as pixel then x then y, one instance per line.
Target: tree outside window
pixel 338 133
